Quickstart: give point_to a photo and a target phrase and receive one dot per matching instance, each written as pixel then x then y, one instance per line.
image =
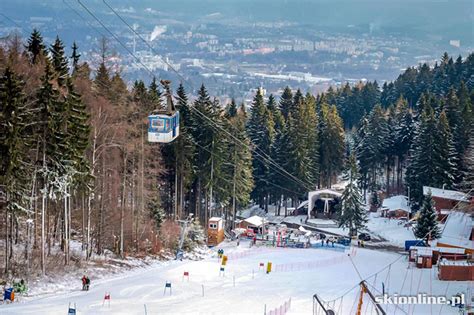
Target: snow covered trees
pixel 352 213
pixel 427 225
pixel 432 159
pixel 260 129
pixel 331 144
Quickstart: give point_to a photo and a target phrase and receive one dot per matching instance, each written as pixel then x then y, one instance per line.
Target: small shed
pixel 396 207
pixel 254 222
pixel 424 257
pixel 449 270
pixel 215 231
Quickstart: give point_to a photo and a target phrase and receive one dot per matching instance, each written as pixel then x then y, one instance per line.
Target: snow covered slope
pixel 298 273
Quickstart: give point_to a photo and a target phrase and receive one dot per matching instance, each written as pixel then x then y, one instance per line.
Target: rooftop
pixel 457 230
pixel 397 203
pixel 255 220
pixel 446 194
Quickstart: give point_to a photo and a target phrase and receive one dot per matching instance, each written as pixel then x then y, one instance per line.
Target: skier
pixel 88 282
pixel 84 282
pixel 254 240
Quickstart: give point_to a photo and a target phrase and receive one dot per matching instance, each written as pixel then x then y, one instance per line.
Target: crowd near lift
pixel 163 124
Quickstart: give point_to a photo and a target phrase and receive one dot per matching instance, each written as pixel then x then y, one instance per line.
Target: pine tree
pixel 35 46
pixel 371 148
pixel 102 79
pixel 78 132
pixel 303 157
pixel 427 226
pixel 239 161
pixel 352 214
pixel 59 61
pixel 422 164
pixel 154 95
pixel 231 109
pixel 468 181
pixel 286 102
pixel 332 144
pixel 445 155
pixel 15 137
pixel 403 136
pixel 260 129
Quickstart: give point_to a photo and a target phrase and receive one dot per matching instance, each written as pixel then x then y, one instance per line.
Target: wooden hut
pixel 424 257
pixel 215 231
pixel 449 270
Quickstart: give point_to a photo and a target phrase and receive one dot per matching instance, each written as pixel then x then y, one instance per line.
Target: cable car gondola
pixel 163 125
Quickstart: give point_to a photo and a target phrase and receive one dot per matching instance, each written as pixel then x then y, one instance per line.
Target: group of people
pixel 85 283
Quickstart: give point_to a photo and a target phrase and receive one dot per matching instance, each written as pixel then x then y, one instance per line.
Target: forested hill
pixel 75 166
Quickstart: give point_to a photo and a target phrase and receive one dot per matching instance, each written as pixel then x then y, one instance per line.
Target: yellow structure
pixel 269 267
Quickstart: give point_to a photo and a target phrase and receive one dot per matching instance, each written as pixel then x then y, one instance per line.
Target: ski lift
pixel 163 125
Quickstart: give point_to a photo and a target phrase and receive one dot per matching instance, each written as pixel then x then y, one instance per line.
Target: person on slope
pixel 84 282
pixel 88 283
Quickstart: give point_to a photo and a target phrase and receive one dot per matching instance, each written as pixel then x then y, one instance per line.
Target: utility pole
pixel 122 210
pixel 176 187
pixel 184 226
pixel 212 182
pixel 233 196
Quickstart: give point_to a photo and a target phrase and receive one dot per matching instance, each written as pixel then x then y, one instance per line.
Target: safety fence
pixel 280 310
pixel 249 253
pixel 305 265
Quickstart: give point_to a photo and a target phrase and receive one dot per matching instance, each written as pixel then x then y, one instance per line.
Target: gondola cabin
pixel 163 128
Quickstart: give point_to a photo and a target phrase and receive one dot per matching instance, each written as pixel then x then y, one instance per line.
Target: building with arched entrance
pixel 323 203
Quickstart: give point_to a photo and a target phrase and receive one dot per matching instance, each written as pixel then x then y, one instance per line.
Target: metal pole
pixel 202 285
pixel 145 309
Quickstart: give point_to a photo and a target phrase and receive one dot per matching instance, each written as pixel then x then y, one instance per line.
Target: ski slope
pixel 298 273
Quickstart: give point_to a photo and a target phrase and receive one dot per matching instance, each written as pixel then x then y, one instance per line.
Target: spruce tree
pixel 352 213
pixel 239 163
pixel 59 61
pixel 15 137
pixel 332 144
pixel 35 46
pixel 231 109
pixel 286 102
pixel 427 225
pixel 102 79
pixel 303 154
pixel 260 128
pixel 423 162
pixel 445 156
pixel 468 180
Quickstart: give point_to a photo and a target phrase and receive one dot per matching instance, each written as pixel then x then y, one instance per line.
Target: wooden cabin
pixel 449 270
pixel 215 231
pixel 424 257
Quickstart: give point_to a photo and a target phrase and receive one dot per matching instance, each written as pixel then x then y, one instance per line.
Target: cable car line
pixel 148 70
pixel 267 159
